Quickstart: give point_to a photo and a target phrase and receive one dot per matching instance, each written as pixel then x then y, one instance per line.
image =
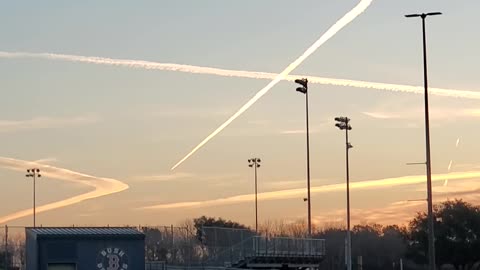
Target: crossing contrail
pixel 350 16
pixel 346 19
pixel 149 65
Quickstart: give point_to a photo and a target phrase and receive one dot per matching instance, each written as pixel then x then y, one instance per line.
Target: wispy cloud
pixel 312 130
pixel 44 123
pixel 299 193
pixel 175 112
pixel 184 176
pixel 48 160
pixel 284 184
pixel 164 177
pixel 401 212
pixel 293 131
pixel 101 186
pixel 417 113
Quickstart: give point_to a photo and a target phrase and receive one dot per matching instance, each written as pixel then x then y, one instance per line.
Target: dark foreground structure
pixel 243 249
pixel 282 253
pixel 84 249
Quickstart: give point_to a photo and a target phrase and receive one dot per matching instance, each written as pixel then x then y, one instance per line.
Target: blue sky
pixel 129 124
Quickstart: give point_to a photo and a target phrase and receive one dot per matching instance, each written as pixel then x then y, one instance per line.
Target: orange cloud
pixel 300 192
pixel 102 186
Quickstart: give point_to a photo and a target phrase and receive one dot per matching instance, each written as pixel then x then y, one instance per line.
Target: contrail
pixel 149 65
pixel 102 186
pixel 346 19
pixel 451 163
pixel 300 192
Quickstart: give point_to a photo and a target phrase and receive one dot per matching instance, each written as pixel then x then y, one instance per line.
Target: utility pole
pixel 431 235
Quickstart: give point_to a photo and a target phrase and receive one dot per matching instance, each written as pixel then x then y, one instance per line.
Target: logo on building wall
pixel 112 259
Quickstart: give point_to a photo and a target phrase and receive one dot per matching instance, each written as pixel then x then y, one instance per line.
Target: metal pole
pixel 256 201
pixel 431 243
pixel 349 239
pixel 308 170
pixel 6 247
pixel 34 205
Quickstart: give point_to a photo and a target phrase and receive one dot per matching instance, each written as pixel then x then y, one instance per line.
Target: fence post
pixel 171 231
pixel 6 247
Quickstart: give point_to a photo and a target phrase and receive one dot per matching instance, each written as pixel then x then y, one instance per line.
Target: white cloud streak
pixel 300 192
pixel 416 113
pixel 101 186
pixel 43 123
pixel 401 212
pixel 192 69
pixel 164 177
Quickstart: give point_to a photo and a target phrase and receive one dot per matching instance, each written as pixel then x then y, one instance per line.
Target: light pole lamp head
pixel 303 82
pixel 259 160
pixel 413 15
pixel 342 119
pixel 250 165
pixel 304 85
pixel 302 90
pixel 423 15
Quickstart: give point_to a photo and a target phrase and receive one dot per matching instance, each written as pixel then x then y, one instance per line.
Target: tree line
pixel 196 241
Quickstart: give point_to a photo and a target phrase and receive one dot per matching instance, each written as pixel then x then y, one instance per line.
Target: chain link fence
pixel 164 245
pixel 12 248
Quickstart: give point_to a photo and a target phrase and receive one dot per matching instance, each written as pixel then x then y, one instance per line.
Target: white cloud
pixel 300 192
pixel 183 176
pixel 285 184
pixel 444 114
pixel 101 186
pixel 165 177
pixel 312 129
pixel 47 160
pixel 293 131
pixel 44 123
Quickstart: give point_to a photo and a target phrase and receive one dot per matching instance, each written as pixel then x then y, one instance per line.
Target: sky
pixel 106 136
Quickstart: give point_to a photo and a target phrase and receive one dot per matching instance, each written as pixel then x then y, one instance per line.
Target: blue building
pixel 85 249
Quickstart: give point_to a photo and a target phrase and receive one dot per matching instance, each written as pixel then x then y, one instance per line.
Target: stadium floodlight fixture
pixel 304 85
pixel 255 163
pixel 34 173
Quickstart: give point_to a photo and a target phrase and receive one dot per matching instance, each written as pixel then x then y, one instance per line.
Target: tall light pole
pixel 304 90
pixel 431 235
pixel 35 173
pixel 255 163
pixel 343 123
